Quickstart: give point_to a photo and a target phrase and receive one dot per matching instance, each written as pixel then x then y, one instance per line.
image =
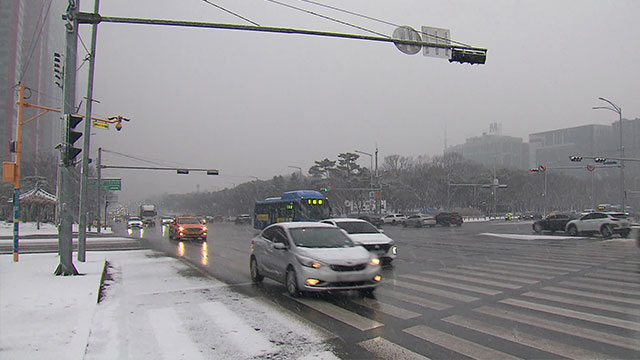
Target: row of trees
pixel 410 184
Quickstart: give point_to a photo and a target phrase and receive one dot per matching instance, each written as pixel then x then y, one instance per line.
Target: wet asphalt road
pixel 482 290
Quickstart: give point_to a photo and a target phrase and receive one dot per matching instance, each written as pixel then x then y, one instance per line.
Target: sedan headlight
pixel 180 228
pixel 374 262
pixel 309 262
pixel 204 228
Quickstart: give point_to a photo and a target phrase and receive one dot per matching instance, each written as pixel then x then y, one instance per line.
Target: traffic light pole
pixel 65 249
pixel 84 182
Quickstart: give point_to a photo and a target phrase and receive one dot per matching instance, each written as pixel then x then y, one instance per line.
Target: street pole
pixel 65 249
pixel 84 181
pixel 99 188
pixel 16 177
pixel 617 109
pixel 370 171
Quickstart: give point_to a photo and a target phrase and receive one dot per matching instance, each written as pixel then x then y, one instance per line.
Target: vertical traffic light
pixel 73 135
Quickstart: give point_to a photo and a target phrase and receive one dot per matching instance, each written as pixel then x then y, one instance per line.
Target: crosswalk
pixel 576 306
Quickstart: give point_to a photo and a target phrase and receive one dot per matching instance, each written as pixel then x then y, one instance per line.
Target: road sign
pixel 436 36
pixel 407 33
pixel 100 124
pixel 542 168
pixel 372 195
pixel 108 184
pixel 591 167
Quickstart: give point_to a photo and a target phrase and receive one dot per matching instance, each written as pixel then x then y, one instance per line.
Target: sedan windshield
pixel 320 238
pixel 188 221
pixel 357 227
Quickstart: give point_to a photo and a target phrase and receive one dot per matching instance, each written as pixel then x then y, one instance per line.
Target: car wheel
pixel 625 233
pixel 537 228
pixel 256 277
pixel 404 223
pixel 572 230
pixel 368 292
pixel 606 231
pixel 291 282
pixel 394 223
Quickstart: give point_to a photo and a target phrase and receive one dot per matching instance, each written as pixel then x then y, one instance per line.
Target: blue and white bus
pixel 299 205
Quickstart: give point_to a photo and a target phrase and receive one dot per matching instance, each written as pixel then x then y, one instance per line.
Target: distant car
pixel 243 219
pixel 134 222
pixel 449 218
pixel 187 227
pixel 373 219
pixel 552 223
pixel 312 257
pixel 394 219
pixel 371 238
pixel 165 220
pixel 419 220
pixel 605 223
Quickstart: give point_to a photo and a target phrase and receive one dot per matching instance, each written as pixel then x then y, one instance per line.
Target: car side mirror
pixel 279 246
pixel 381 231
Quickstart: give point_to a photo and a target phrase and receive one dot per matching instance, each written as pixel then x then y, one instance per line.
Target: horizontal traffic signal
pixel 471 56
pixel 575 158
pixel 600 159
pixel 532 170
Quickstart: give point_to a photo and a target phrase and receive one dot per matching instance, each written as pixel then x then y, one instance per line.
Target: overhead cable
pixel 231 12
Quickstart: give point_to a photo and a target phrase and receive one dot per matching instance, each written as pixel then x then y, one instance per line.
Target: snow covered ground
pixel 29 228
pixel 149 310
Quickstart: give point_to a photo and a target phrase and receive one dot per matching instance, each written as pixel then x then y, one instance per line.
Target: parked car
pixel 242 219
pixel 449 218
pixel 394 219
pixel 606 224
pixel 134 222
pixel 373 219
pixel 187 227
pixel 371 238
pixel 419 220
pixel 552 222
pixel 313 257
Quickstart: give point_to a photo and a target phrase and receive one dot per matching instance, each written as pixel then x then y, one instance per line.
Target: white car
pixel 419 220
pixel 370 237
pixel 134 222
pixel 606 224
pixel 310 256
pixel 394 219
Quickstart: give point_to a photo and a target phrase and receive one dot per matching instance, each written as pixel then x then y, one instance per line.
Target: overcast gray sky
pixel 253 104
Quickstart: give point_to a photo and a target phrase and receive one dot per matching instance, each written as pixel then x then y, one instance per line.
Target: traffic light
pixel 600 160
pixel 58 70
pixel 575 158
pixel 324 189
pixel 533 170
pixel 471 56
pixel 182 171
pixel 73 135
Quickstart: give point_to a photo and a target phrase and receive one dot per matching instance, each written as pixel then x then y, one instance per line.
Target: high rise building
pixel 30 31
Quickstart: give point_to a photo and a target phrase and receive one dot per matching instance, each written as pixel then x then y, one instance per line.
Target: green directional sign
pixel 107 184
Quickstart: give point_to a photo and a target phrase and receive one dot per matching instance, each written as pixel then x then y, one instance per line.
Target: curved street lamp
pixel 618 110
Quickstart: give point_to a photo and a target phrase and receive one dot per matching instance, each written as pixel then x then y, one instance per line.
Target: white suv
pixel 606 224
pixel 394 219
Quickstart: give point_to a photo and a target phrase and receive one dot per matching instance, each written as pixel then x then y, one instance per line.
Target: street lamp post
pixel 618 110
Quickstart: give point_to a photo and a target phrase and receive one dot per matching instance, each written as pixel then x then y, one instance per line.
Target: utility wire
pixel 231 12
pixel 378 20
pixel 132 157
pixel 36 39
pixel 328 18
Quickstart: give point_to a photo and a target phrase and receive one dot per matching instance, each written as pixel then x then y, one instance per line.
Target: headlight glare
pixel 374 262
pixel 309 262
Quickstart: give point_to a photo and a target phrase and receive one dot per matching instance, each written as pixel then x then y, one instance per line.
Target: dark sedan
pixel 374 219
pixel 449 218
pixel 552 223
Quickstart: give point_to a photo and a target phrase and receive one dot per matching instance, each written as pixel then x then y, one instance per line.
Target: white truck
pixel 148 215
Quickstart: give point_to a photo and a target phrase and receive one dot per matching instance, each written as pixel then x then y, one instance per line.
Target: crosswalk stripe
pixel 612 283
pixel 574 301
pixel 593 295
pixel 562 261
pixel 506 271
pixel 623 275
pixel 434 291
pixel 385 349
pixel 173 339
pixel 388 309
pixel 524 269
pixel 456 344
pixel 604 337
pixel 350 318
pixel 518 337
pixel 422 302
pixel 630 325
pixel 623 279
pixel 599 288
pixel 489 275
pixel 454 285
pixel 472 279
pixel 536 266
pixel 237 331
